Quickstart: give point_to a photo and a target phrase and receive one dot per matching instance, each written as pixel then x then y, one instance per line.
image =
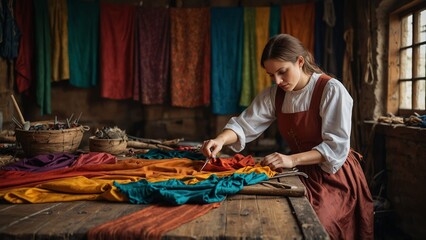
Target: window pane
pixel 407 31
pixel 405 95
pixel 406 63
pixel 421 62
pixel 422 24
pixel 420 96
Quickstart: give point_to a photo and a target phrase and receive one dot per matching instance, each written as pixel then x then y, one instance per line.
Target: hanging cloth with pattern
pixel 190 57
pixel 152 55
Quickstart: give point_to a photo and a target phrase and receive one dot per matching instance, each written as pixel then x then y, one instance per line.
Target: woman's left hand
pixel 277 161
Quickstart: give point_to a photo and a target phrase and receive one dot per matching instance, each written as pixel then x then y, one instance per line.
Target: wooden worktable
pixel 239 217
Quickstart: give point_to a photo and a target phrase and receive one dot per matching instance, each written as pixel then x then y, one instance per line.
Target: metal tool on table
pixel 292 172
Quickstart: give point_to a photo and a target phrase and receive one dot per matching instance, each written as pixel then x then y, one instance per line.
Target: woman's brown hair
pixel 288 48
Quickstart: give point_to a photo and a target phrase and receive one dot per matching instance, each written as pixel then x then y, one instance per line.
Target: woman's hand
pixel 212 147
pixel 277 161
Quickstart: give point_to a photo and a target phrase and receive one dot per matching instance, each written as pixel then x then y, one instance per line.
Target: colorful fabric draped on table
pixel 100 176
pixel 95 176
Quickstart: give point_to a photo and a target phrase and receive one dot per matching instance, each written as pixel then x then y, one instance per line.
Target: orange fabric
pixel 262 36
pixel 190 57
pixel 151 222
pixel 298 20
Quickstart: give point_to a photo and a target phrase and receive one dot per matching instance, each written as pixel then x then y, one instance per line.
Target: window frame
pixel 394 56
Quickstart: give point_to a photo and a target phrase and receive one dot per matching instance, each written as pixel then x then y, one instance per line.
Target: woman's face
pixel 287 75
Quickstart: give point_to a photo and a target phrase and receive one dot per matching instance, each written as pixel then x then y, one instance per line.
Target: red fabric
pixel 342 200
pixel 117 50
pixel 93 158
pixel 89 165
pixel 151 222
pixel 232 163
pixel 24 64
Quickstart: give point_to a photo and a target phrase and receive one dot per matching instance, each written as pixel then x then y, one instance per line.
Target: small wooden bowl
pixel 112 146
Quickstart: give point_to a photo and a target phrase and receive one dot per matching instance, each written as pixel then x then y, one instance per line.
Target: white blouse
pixel 335 110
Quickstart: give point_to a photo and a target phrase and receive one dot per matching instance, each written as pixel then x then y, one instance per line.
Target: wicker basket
pixel 112 146
pixel 35 142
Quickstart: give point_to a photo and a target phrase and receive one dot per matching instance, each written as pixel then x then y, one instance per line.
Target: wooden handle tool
pixel 21 118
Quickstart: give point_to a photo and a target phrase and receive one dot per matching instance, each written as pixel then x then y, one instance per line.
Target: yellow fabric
pixel 102 188
pixel 58 18
pixel 298 20
pixel 262 36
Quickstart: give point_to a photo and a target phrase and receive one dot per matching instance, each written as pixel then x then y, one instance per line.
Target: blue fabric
pixel 226 64
pixel 9 32
pixel 83 36
pixel 275 20
pixel 213 189
pixel 161 154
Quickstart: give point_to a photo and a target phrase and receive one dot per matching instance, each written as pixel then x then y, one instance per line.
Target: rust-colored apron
pixel 342 200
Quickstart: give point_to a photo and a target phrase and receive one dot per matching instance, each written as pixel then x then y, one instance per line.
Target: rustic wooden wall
pixel 157 121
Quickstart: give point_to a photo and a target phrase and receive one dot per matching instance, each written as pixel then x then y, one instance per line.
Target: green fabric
pixel 161 154
pixel 213 189
pixel 42 55
pixel 83 35
pixel 248 90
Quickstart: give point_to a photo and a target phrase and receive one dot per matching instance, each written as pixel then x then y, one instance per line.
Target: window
pixel 407 60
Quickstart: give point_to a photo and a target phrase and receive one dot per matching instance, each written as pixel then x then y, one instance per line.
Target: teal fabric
pixel 275 20
pixel 161 154
pixel 175 192
pixel 83 36
pixel 226 63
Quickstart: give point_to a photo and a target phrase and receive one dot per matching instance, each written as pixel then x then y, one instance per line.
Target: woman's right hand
pixel 211 147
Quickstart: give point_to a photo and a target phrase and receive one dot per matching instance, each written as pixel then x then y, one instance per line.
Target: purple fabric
pixel 42 163
pixel 152 55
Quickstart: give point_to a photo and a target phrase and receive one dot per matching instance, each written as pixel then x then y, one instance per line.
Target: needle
pixel 205 163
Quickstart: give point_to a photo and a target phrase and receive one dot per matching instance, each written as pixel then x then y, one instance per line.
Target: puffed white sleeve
pixel 254 120
pixel 336 113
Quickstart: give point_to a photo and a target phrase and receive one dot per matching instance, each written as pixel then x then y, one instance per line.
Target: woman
pixel 313 112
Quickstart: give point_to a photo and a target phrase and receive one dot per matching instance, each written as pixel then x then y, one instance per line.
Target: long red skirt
pixel 342 200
